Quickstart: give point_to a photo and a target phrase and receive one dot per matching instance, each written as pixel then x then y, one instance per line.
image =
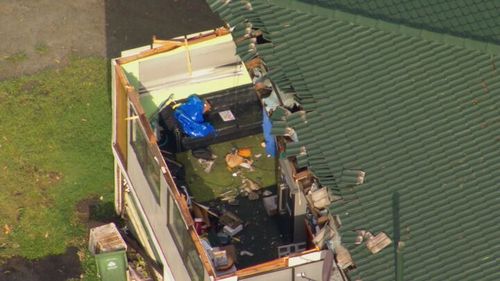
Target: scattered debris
pixel 247 165
pixel 228 198
pixel 253 195
pixel 245 152
pixel 224 238
pixel 233 202
pixel 258 155
pixel 207 165
pixel 248 184
pixel 271 205
pixel 344 259
pixel 230 219
pixel 232 231
pixel 229 195
pixel 267 193
pixel 378 242
pixel 233 160
pixel 204 153
pixel 246 253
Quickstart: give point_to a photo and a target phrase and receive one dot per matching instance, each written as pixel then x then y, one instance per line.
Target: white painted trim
pixel 307 258
pixel 113 136
pixel 167 273
pixel 113 100
pixel 230 278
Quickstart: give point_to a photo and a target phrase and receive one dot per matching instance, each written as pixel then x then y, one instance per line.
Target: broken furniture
pixel 232 224
pixel 235 113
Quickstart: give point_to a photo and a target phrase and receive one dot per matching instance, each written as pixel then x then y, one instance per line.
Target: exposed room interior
pixel 231 178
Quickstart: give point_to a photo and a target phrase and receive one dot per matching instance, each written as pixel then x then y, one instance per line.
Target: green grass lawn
pixel 55 130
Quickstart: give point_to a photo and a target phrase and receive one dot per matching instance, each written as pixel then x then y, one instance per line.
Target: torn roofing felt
pixel 417 111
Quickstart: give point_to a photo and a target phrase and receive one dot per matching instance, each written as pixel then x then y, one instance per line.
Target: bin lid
pixel 112 266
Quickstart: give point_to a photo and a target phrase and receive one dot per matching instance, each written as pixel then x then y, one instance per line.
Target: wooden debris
pixel 105 238
pixel 253 196
pixel 378 242
pixel 230 219
pixel 249 185
pixel 302 175
pixel 344 259
pixel 233 160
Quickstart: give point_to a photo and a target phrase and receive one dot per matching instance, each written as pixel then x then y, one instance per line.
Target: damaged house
pixel 315 140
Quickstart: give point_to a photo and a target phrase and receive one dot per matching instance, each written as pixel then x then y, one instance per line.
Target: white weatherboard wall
pixel 281 275
pixel 156 215
pixel 310 271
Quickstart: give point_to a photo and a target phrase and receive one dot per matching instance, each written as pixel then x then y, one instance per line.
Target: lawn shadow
pixel 131 24
pixel 94 212
pixel 54 267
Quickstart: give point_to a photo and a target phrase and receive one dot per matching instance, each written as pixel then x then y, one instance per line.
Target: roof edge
pixel 424 34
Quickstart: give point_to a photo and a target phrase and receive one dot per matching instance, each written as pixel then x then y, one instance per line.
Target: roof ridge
pixel 472 44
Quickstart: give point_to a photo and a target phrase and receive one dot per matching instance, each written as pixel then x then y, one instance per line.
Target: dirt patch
pixel 93 212
pixel 53 268
pixel 37 34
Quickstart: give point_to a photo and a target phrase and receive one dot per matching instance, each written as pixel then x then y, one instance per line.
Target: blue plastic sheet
pixel 193 108
pixel 268 137
pixel 190 118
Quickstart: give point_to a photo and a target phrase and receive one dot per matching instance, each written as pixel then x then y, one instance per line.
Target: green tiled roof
pixel 475 19
pixel 417 111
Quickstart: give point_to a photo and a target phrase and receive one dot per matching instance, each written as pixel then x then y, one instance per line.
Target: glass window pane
pixel 146 159
pixel 183 241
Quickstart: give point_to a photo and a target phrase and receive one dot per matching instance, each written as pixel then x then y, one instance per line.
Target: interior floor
pixel 262 234
pixel 222 190
pixel 222 181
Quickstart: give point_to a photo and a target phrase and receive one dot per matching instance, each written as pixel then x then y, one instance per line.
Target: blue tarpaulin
pixel 269 139
pixel 190 117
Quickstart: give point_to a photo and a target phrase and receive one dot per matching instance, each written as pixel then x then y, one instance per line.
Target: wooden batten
pixel 146 53
pixel 263 267
pixel 168 47
pixel 157 41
